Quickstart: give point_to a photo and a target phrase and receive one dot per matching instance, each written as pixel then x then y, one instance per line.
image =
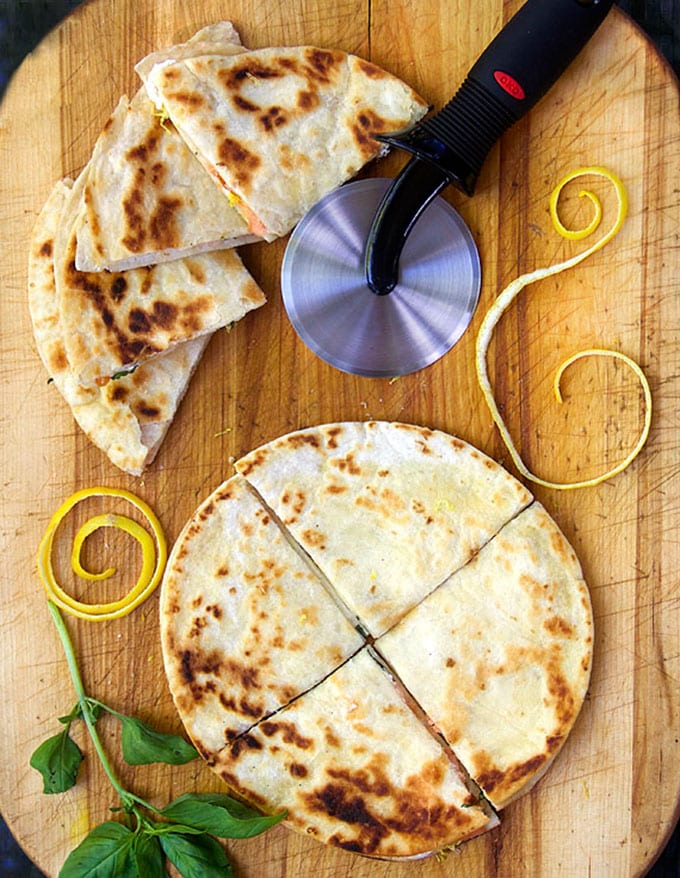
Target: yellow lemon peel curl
pixel 507 296
pixel 153 546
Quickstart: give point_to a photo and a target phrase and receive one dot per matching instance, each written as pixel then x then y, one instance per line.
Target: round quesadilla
pixel 460 641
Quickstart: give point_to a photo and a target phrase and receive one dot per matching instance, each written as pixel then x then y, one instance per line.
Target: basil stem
pixel 127 798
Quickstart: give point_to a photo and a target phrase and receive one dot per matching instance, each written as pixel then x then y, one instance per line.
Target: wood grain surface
pixel 611 798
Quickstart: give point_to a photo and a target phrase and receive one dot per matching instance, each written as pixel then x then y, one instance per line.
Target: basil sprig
pixel 183 831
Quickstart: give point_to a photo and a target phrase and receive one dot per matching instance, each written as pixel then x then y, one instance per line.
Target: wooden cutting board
pixel 609 802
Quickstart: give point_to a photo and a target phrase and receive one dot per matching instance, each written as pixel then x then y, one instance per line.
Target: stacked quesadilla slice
pixel 221 147
pixel 279 128
pixel 122 398
pixel 146 198
pixel 460 678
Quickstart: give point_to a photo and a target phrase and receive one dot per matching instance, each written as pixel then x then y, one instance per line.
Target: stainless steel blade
pixel 339 318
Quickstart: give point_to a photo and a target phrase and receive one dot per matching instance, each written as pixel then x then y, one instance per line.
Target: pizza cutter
pixel 381 278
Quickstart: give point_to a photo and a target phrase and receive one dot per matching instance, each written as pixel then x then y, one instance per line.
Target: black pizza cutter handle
pixel 513 73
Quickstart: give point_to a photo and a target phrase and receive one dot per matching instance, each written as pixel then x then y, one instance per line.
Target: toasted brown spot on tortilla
pixel 300 439
pixel 118 288
pixel 308 100
pixel 139 322
pixel 46 249
pixel 58 361
pixel 491 779
pixel 371 70
pixel 336 489
pixel 321 63
pixel 119 393
pixel 332 436
pixel 314 538
pixel 347 464
pixel 163 222
pixel 191 100
pixel 240 160
pixel 558 626
pixel 242 104
pixel 141 152
pixel 196 270
pixel 273 118
pixel 244 742
pixel 233 78
pixel 147 412
pixel 298 770
pixel 289 733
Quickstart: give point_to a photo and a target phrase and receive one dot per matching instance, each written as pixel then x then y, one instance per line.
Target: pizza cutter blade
pixel 339 317
pixel 382 278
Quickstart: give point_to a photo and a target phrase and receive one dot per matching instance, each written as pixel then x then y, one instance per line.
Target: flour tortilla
pixel 219 38
pixel 386 510
pixel 146 198
pixel 280 127
pixel 112 321
pixel 246 626
pixel 127 418
pixel 355 768
pixel 499 657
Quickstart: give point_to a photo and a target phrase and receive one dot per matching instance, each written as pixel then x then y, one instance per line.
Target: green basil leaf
pixel 148 856
pixel 57 759
pixel 219 814
pixel 143 745
pixel 104 853
pixel 196 856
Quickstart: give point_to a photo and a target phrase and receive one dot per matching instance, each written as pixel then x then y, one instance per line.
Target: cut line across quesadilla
pixel 246 625
pixel 279 128
pixel 126 418
pixel 508 640
pixel 386 510
pixel 355 768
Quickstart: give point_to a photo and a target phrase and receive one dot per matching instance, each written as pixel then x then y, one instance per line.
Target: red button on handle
pixel 509 85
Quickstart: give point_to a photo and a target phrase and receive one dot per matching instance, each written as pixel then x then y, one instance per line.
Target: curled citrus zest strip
pixel 154 556
pixel 508 295
pixel 579 234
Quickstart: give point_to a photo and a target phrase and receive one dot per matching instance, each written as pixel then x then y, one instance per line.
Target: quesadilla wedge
pixel 113 321
pixel 246 626
pixel 278 128
pixel 386 510
pixel 126 418
pixel 146 198
pixel 355 768
pixel 218 38
pixel 499 656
